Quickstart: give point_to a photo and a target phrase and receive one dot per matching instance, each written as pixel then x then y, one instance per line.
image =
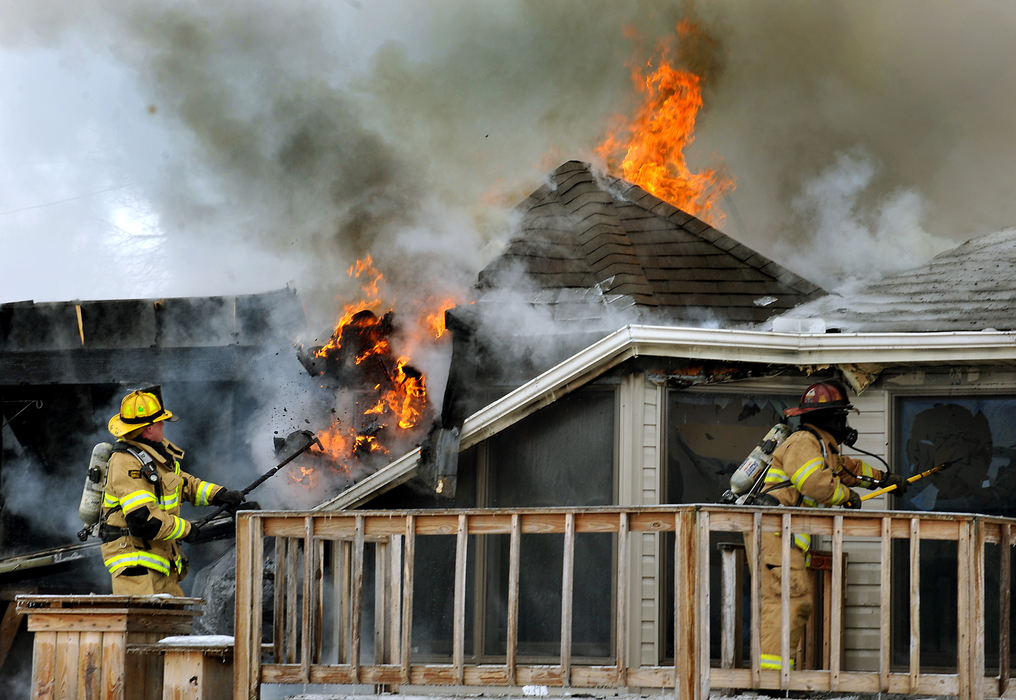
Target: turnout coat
pixel 130 487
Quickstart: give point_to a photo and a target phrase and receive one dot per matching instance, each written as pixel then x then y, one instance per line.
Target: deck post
pixel 82 641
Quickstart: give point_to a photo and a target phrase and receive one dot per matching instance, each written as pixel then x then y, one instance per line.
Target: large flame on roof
pixel 389 407
pixel 648 149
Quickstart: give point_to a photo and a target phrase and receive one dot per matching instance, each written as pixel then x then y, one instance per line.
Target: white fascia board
pixel 734 346
pixel 385 478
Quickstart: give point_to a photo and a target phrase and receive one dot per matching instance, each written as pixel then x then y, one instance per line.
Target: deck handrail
pixel 319 588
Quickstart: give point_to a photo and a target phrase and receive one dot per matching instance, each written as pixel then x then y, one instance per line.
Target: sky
pixel 189 148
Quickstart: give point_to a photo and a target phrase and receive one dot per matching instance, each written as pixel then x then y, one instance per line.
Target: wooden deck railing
pixel 323 628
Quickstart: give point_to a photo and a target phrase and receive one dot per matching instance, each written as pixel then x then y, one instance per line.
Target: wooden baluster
pixel 567 589
pixel 621 602
pixel 885 605
pixel 836 615
pixel 459 616
pixel 407 597
pixel 1004 583
pixel 355 598
pixel 915 603
pixel 512 637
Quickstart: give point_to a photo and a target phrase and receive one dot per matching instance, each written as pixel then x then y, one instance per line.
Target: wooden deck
pixel 325 631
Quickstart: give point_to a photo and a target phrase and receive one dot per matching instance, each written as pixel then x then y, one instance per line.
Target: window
pixel 563 455
pixel 708 436
pixel 979 432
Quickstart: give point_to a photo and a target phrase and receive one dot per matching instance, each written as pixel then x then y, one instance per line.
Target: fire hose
pixel 311 440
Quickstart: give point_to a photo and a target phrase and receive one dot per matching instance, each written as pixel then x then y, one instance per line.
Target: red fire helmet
pixel 821 396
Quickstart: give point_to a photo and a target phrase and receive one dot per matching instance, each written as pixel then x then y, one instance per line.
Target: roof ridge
pixel 602 238
pixel 642 198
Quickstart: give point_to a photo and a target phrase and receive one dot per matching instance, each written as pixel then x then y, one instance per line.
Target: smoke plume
pixel 201 148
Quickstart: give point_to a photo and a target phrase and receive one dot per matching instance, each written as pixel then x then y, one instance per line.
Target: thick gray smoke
pixel 200 148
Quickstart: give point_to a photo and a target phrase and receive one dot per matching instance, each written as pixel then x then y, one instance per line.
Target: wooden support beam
pixel 9 626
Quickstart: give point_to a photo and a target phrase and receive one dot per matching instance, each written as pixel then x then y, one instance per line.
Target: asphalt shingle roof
pixel 585 233
pixel 969 288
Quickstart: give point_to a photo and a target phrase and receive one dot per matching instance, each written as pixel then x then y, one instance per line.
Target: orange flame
pixel 407 399
pixel 400 402
pixel 650 148
pixel 361 268
pixel 435 322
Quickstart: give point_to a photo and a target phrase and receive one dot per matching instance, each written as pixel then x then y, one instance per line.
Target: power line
pixel 62 201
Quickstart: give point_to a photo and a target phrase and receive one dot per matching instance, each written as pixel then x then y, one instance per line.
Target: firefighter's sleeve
pixel 127 488
pixel 807 469
pixel 856 472
pixel 198 491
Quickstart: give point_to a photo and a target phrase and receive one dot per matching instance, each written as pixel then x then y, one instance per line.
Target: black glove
pixel 853 501
pixel 225 497
pixel 896 480
pixel 194 535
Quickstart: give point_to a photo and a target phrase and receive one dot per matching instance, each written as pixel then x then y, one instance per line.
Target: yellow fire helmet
pixel 139 409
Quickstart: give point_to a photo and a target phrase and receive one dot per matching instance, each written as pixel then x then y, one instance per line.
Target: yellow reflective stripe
pixel 136 499
pixel 145 559
pixel 171 501
pixel 840 495
pixel 110 501
pixel 867 471
pixel 774 476
pixel 176 466
pixel 774 661
pixel 806 470
pixel 803 542
pixel 810 502
pixel 179 525
pixel 201 498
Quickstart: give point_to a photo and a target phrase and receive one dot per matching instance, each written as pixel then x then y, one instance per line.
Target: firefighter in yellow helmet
pixel 808 470
pixel 140 525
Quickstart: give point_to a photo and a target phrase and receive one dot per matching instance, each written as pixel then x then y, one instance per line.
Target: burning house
pixel 714 342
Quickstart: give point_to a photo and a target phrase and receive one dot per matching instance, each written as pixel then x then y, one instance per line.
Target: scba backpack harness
pixel 95 485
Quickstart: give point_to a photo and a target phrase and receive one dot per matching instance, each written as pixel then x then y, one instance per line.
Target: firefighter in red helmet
pixel 809 470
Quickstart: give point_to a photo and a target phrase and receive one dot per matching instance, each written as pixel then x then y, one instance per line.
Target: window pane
pixel 563 455
pixel 709 435
pixel 979 432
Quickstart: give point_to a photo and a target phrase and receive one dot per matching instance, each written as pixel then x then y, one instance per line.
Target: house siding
pixel 641 413
pixel 863 592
